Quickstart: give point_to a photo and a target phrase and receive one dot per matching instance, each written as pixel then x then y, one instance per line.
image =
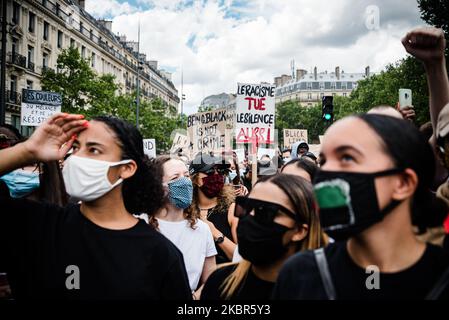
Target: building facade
pixel 37 32
pixel 309 89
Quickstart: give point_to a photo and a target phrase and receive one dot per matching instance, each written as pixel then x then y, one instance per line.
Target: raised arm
pixel 428 45
pixel 50 141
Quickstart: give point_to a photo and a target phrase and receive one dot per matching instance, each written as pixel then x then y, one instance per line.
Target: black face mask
pixel 348 201
pixel 260 243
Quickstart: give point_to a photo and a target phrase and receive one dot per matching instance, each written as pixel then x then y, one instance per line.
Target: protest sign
pixel 207 131
pixel 293 135
pixel 265 151
pixel 254 117
pixel 180 141
pixel 38 106
pixel 149 147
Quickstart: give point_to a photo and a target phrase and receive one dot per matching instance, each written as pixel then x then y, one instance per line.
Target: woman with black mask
pixel 374 168
pixel 276 220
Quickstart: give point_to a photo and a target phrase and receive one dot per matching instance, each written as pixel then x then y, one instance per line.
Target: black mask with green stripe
pixel 348 201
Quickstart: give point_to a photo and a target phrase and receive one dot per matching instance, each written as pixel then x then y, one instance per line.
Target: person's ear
pixel 300 233
pixel 127 170
pixel 406 185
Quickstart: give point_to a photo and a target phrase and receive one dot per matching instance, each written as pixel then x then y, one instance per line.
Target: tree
pixel 83 91
pixel 291 115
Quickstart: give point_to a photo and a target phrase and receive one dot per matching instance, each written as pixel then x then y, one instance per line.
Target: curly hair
pixel 225 199
pixel 159 163
pixel 143 192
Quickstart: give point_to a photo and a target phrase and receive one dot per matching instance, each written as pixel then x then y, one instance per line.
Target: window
pixel 31 22
pixel 309 96
pixel 29 84
pixel 93 60
pixel 31 58
pixel 45 60
pixel 309 85
pixel 345 94
pixel 72 43
pixel 13 84
pixel 60 38
pixel 46 30
pixel 321 85
pixel 83 52
pixel 81 27
pixel 91 34
pixel 14 46
pixel 16 13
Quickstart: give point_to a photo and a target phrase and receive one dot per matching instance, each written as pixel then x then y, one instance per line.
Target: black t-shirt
pixel 252 287
pixel 220 221
pixel 300 278
pixel 47 249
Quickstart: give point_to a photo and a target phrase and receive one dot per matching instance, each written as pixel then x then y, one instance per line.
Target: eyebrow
pixel 346 148
pixel 90 143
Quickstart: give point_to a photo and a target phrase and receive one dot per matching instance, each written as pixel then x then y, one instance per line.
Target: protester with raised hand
pixel 95 250
pixel 373 169
pixel 277 219
pixel 428 45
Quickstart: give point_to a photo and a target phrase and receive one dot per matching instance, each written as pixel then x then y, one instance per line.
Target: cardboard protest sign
pixel 293 135
pixel 207 131
pixel 180 141
pixel 38 106
pixel 321 139
pixel 149 147
pixel 315 149
pixel 254 117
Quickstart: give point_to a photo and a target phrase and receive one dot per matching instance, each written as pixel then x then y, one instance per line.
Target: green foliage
pixel 85 92
pixel 381 89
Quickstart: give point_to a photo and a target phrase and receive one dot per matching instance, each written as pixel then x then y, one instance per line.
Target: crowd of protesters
pixel 85 214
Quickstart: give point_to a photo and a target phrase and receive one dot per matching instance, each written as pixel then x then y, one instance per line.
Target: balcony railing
pixel 17 59
pixel 13 97
pixel 31 66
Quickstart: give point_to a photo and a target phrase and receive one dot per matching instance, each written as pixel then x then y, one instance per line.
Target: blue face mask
pixel 181 192
pixel 21 183
pixel 232 175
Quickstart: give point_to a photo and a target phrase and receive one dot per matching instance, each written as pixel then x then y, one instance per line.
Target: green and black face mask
pixel 348 201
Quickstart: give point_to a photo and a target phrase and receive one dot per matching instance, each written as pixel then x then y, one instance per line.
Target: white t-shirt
pixel 195 244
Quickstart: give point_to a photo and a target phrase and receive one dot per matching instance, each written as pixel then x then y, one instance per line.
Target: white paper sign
pixel 149 147
pixel 38 106
pixel 265 151
pixel 254 117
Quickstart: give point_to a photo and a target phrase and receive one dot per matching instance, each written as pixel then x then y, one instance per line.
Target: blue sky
pixel 218 43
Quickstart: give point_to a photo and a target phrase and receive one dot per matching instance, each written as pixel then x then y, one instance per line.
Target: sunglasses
pixel 264 211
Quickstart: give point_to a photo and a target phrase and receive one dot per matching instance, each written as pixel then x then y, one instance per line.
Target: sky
pixel 217 43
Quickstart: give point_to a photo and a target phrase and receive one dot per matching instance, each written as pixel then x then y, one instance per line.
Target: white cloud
pixel 108 8
pixel 253 41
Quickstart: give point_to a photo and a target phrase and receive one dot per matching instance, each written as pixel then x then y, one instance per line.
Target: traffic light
pixel 328 109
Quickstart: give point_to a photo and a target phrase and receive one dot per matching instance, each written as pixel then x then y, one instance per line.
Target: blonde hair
pixel 300 194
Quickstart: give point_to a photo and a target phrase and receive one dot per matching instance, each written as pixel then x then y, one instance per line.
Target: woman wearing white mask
pixel 191 235
pixel 95 250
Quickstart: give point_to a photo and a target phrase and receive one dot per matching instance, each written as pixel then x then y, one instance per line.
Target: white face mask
pixel 87 179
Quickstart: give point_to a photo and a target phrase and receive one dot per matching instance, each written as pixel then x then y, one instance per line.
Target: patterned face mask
pixel 181 192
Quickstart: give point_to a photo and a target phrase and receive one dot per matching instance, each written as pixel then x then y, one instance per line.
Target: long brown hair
pixel 159 162
pixel 300 193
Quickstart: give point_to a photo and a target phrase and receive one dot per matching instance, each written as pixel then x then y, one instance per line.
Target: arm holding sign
pixel 51 141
